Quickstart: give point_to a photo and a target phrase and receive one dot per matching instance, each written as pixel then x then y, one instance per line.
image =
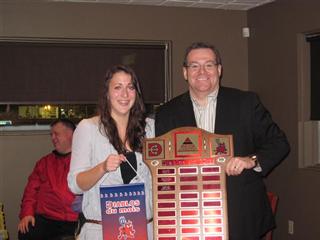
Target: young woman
pixel 102 143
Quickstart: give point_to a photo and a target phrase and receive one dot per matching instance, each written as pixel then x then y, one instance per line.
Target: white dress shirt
pixel 206 115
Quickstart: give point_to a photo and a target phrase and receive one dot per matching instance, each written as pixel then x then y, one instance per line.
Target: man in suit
pixel 259 144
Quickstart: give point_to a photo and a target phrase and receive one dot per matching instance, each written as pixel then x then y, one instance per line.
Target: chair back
pixel 3 230
pixel 273 199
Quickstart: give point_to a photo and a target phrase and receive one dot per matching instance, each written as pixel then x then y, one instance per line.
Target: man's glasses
pixel 208 66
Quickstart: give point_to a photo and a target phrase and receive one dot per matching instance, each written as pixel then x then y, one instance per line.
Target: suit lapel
pixel 186 117
pixel 221 111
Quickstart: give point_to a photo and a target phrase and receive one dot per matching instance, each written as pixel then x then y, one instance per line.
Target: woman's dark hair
pixel 136 124
pixel 199 45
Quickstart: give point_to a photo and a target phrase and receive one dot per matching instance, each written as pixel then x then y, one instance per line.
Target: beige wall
pixel 100 21
pixel 273 73
pixel 180 25
pixel 19 152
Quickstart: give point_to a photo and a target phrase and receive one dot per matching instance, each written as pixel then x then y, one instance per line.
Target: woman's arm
pixel 83 175
pixel 87 179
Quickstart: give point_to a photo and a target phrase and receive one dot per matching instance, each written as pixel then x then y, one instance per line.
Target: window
pixel 43 79
pixel 309 99
pixel 30 114
pixel 314 42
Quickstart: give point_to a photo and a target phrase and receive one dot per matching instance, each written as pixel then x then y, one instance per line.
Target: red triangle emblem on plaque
pixel 188 146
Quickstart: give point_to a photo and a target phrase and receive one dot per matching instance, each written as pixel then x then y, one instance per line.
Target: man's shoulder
pixel 235 93
pixel 49 155
pixel 45 159
pixel 54 154
pixel 231 90
pixel 175 102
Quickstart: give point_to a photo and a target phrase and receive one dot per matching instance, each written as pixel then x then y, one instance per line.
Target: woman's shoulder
pixel 150 127
pixel 92 122
pixel 150 120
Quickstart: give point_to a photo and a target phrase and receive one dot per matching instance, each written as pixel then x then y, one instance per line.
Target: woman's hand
pixel 112 162
pixel 87 179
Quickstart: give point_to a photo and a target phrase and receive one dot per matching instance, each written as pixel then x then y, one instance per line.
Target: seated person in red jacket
pixel 46 212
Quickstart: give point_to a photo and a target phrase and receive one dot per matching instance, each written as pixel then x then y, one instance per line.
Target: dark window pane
pixel 73 72
pixel 315 77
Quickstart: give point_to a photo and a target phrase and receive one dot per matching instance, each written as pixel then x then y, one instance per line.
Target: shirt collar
pixel 211 97
pixel 58 154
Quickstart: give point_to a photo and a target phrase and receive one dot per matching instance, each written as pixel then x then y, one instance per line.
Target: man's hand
pixel 236 165
pixel 23 226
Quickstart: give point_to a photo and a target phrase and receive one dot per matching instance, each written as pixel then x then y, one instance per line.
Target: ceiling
pixel 214 4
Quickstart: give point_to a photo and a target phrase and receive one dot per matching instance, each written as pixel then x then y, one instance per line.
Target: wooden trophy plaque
pixel 189 184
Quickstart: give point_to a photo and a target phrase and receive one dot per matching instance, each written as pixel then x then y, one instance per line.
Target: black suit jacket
pixel 241 114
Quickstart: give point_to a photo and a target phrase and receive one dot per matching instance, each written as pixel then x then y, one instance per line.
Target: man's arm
pixel 265 140
pixel 271 142
pixel 29 200
pixel 23 226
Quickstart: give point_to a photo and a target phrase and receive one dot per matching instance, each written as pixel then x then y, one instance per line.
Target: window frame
pixel 163 44
pixel 308 130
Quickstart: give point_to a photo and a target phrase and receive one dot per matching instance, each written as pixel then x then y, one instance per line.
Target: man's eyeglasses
pixel 208 66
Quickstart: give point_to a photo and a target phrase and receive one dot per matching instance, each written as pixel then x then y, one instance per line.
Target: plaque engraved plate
pixel 189 184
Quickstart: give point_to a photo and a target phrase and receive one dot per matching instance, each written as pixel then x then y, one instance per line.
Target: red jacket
pixel 47 191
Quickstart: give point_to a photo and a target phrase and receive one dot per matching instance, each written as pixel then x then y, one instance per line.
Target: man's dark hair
pixel 66 122
pixel 199 45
